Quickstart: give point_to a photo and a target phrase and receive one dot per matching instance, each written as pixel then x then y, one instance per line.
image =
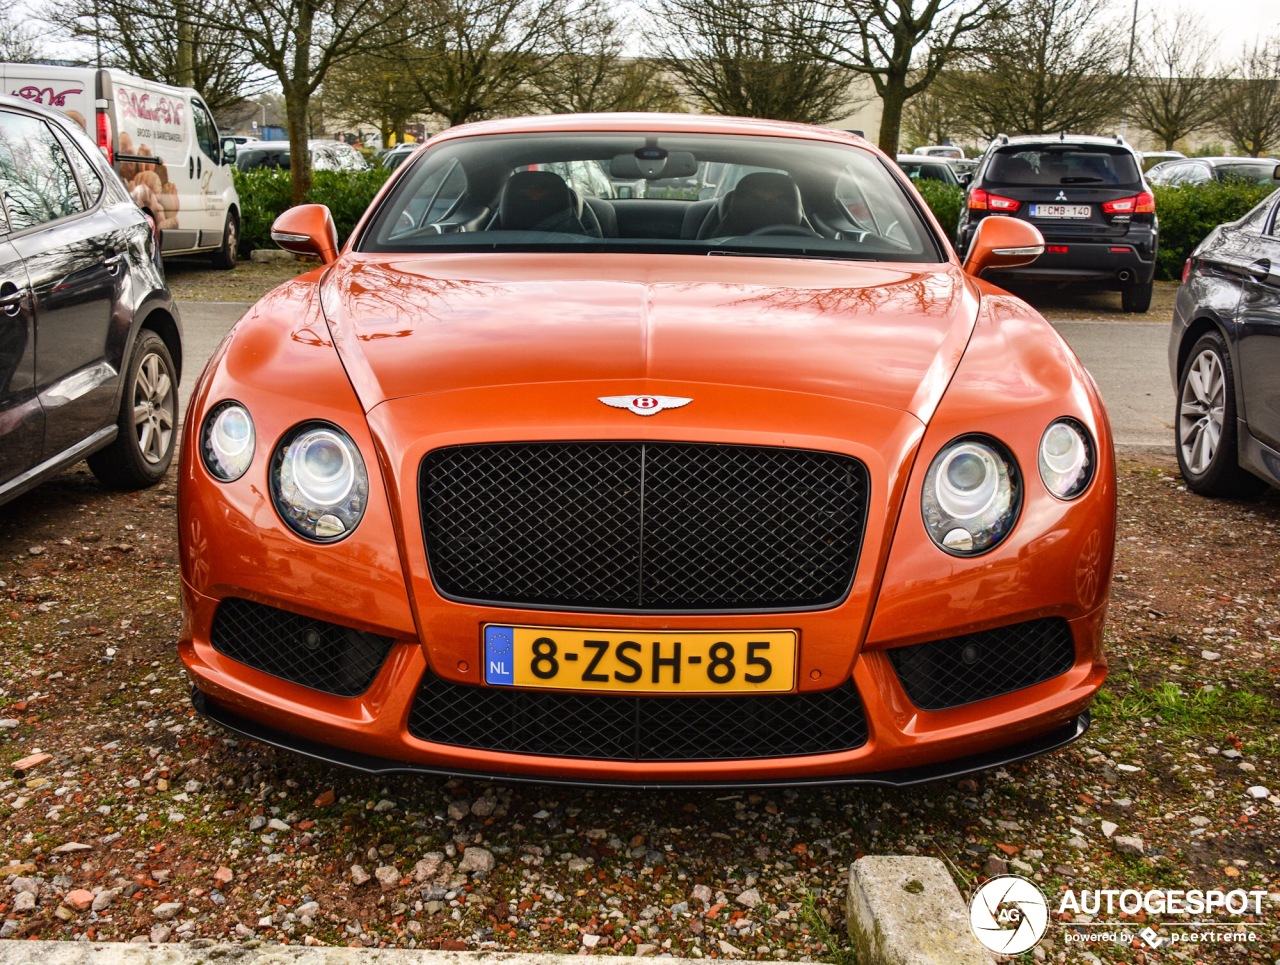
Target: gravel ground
pixel 146 823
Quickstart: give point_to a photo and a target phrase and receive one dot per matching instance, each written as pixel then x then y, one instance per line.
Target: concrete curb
pixel 908 911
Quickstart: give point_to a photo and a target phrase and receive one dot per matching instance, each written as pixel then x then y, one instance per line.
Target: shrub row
pixel 1189 212
pixel 265 193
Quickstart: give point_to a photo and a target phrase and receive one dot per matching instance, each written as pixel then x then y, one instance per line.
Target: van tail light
pixel 982 200
pixel 1144 203
pixel 103 130
pixel 1186 271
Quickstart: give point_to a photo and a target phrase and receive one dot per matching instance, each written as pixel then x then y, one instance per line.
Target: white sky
pixel 1237 23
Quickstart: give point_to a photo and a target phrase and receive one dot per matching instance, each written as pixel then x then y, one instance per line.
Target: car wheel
pixel 1206 423
pixel 148 420
pixel 225 258
pixel 1135 296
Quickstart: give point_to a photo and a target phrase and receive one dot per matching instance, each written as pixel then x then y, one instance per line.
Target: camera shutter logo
pixel 1009 914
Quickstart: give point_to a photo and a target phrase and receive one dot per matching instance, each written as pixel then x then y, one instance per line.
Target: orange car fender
pixel 1016 377
pixel 280 363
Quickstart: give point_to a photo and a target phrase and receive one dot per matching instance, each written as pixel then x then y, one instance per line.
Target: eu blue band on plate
pixel 499 656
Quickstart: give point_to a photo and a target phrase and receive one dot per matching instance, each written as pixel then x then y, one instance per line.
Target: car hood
pixel 881 335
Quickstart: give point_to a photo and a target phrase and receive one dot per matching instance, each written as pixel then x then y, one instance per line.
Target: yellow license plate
pixel 635 662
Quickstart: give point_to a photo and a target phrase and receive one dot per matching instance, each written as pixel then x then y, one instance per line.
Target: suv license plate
pixel 1061 210
pixel 640 662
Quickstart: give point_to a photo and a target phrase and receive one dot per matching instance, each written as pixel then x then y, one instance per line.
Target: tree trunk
pixel 893 98
pixel 295 109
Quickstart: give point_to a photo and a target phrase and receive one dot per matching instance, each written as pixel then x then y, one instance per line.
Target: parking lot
pixel 175 831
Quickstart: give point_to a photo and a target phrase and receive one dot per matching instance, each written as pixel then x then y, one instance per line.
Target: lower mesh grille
pixel 961 670
pixel 324 656
pixel 619 728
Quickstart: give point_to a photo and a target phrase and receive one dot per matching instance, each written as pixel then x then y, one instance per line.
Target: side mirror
pixel 307 229
pixel 228 152
pixel 1002 242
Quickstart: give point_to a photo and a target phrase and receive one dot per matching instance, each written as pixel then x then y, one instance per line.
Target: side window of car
pixel 90 180
pixel 206 131
pixel 35 175
pixel 1198 174
pixel 1271 226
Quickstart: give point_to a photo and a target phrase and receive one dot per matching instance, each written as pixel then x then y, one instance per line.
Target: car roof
pixel 640 122
pixel 1090 139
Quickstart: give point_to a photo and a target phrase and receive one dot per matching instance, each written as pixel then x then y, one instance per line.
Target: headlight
pixel 971 496
pixel 318 482
pixel 227 441
pixel 1066 458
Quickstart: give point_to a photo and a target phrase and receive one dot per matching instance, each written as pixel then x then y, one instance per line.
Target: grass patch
pixel 1195 713
pixel 838 950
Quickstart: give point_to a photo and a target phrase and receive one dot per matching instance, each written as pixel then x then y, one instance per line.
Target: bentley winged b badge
pixel 644 404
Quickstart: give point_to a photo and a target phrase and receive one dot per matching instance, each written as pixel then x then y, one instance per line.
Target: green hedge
pixel 944 200
pixel 265 193
pixel 1189 212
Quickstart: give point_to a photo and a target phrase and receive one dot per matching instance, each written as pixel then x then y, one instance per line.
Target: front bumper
pixel 892 741
pixel 1050 741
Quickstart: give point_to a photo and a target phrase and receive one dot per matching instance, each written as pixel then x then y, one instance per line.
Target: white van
pixel 163 143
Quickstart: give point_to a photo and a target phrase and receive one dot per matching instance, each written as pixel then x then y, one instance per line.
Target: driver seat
pixel 762 199
pixel 539 201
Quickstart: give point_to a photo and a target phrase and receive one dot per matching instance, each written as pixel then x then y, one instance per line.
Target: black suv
pixel 1089 200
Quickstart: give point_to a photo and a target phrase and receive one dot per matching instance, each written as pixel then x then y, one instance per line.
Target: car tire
pixel 1206 439
pixel 226 257
pixel 147 421
pixel 1135 296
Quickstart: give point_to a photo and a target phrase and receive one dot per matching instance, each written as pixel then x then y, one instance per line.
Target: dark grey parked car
pixel 90 340
pixel 1224 354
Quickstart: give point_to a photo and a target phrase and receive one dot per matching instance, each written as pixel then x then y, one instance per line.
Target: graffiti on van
pixel 139 107
pixel 39 95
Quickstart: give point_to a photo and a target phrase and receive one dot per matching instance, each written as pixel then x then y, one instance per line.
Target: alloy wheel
pixel 1200 411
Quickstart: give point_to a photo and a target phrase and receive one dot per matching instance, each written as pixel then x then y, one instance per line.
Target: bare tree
pixel 1052 66
pixel 1248 109
pixel 376 88
pixel 592 73
pixel 933 116
pixel 19 42
pixel 157 41
pixel 1175 88
pixel 751 58
pixel 300 41
pixel 902 45
pixel 485 58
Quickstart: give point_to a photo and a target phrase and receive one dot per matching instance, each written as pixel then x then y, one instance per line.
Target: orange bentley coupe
pixel 647 449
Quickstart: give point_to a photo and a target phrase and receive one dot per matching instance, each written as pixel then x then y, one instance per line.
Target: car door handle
pixel 191 167
pixel 1260 271
pixel 11 304
pixel 113 263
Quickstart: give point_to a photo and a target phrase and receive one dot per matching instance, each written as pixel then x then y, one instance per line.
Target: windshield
pixel 677 193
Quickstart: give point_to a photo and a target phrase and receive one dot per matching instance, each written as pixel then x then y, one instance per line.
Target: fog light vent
pixel 324 656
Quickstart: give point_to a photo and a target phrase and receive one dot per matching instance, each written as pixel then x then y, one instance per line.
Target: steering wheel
pixel 795 230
